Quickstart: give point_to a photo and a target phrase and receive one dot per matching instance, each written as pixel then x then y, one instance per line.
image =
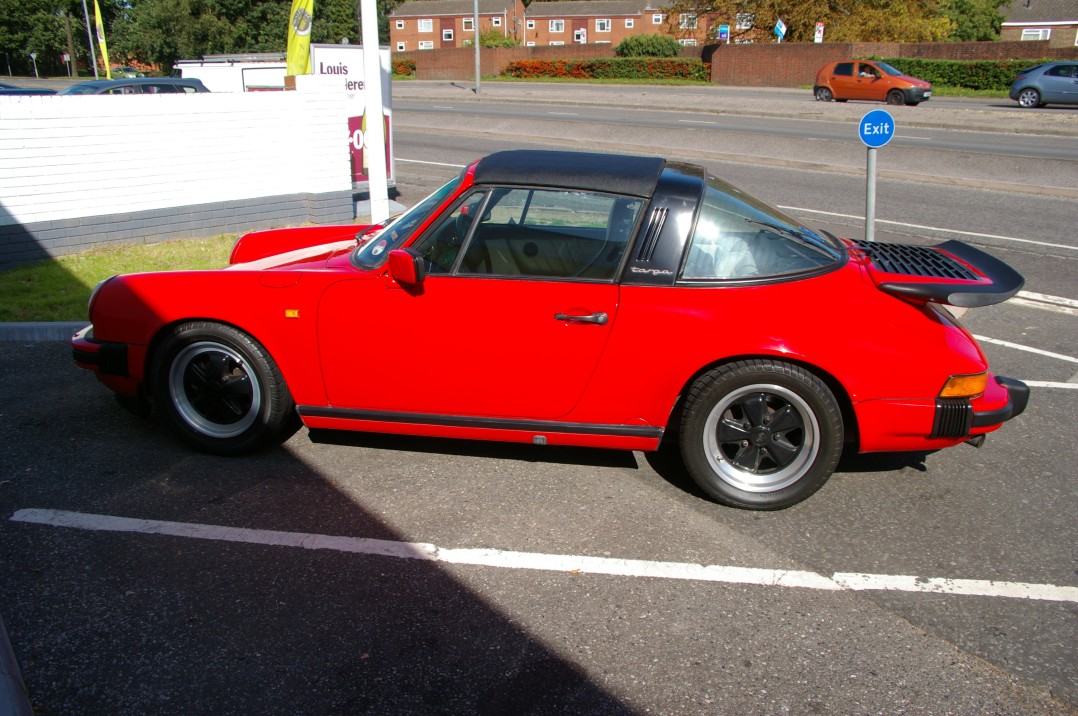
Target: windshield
pixel 374 252
pixel 893 71
pixel 739 237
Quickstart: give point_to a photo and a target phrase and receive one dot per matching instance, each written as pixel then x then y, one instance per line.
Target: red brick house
pixel 1053 20
pixel 591 21
pixel 435 24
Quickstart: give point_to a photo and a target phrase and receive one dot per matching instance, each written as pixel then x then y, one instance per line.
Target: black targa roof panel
pixel 614 173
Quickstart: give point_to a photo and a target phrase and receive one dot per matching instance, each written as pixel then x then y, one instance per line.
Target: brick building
pixel 438 24
pixel 590 21
pixel 1053 20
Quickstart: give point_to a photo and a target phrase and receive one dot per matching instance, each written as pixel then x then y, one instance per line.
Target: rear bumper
pixel 911 425
pixel 956 418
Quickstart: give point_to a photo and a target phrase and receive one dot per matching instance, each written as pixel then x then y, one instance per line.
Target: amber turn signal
pixel 965 386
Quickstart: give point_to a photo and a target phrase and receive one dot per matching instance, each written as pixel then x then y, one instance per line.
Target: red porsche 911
pixel 563 298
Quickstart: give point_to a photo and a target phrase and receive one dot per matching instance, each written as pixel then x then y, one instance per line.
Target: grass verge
pixel 58 289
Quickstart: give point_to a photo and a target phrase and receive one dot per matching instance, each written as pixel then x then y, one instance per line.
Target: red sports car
pixel 562 298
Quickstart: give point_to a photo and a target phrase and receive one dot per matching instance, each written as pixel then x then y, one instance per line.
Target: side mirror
pixel 406 267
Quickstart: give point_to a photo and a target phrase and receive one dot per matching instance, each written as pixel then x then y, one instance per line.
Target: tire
pixel 1029 98
pixel 823 94
pixel 220 389
pixel 895 97
pixel 760 434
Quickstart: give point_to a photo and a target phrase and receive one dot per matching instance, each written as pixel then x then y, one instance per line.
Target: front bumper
pixel 108 360
pixel 918 94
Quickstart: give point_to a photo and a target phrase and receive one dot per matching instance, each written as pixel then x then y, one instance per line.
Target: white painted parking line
pixel 1050 384
pixel 933 228
pixel 1027 349
pixel 572 564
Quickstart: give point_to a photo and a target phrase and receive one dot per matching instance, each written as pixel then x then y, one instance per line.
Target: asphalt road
pixel 371 574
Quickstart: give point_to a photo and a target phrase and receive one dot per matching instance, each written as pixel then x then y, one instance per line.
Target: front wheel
pixel 895 97
pixel 760 434
pixel 823 94
pixel 1029 98
pixel 220 389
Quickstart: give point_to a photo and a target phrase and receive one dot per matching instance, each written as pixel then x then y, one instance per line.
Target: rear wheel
pixel 823 94
pixel 1029 98
pixel 895 97
pixel 760 434
pixel 220 389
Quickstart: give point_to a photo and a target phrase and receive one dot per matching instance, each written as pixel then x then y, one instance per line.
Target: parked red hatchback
pixel 869 80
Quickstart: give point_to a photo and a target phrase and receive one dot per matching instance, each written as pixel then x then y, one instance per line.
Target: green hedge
pixel 972 74
pixel 614 68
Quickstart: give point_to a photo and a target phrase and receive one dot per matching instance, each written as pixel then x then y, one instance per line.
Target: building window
pixel 400 47
pixel 426 44
pixel 557 26
pixel 529 43
pixel 426 25
pixel 687 42
pixel 531 24
pixel 628 22
pixel 1036 34
pixel 687 21
pixel 658 18
pixel 580 36
pixel 447 35
pixel 400 24
pixel 602 26
pixel 745 21
pixel 496 21
pixel 556 42
pixel 469 24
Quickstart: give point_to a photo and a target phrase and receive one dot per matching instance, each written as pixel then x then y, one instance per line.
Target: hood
pixel 283 246
pixel 953 273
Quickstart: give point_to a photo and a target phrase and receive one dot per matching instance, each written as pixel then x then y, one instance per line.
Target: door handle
pixel 596 318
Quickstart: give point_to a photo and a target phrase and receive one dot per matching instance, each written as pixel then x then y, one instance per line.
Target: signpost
pixel 876 129
pixel 724 34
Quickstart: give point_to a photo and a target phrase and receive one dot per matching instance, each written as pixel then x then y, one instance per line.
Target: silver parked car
pixel 1050 83
pixel 140 85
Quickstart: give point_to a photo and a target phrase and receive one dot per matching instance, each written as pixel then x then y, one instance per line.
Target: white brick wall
pixel 82 156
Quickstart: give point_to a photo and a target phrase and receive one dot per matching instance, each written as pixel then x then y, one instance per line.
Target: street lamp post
pixel 90 37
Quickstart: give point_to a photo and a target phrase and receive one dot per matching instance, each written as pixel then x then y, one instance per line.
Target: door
pixel 1060 84
pixel 842 81
pixel 868 83
pixel 511 320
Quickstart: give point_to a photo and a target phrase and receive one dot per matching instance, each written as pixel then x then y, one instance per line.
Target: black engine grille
pixel 914 260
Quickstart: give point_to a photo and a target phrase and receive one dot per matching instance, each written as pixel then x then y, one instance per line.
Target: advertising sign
pixel 724 33
pixel 346 63
pixel 819 33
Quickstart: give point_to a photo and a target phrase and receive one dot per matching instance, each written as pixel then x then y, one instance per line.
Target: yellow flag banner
pixel 101 39
pixel 299 37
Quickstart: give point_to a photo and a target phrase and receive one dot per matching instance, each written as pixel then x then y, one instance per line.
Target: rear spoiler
pixel 953 272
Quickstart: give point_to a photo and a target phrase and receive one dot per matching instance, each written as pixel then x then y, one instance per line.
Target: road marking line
pixel 1050 384
pixel 934 228
pixel 554 562
pixel 1043 306
pixel 436 164
pixel 1020 347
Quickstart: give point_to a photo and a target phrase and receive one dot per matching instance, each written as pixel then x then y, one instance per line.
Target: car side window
pixel 441 246
pixel 844 68
pixel 549 233
pixel 868 71
pixel 737 237
pixel 1063 71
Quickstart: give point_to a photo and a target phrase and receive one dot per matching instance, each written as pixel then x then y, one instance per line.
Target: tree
pixel 846 20
pixel 974 19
